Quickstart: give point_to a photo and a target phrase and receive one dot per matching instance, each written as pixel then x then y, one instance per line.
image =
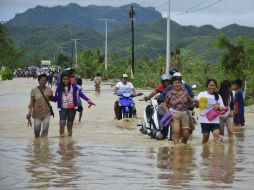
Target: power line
pixel 210 5
pixel 192 9
pixel 197 5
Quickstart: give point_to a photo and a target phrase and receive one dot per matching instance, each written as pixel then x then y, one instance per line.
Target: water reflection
pixel 67 170
pixel 218 164
pixel 239 132
pixel 38 165
pixel 106 157
pixel 52 165
pixel 179 161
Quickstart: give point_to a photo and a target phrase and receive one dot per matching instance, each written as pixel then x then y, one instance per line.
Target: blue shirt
pixel 58 79
pixel 239 102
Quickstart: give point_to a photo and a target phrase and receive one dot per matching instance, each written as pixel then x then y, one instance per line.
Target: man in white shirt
pixel 123 87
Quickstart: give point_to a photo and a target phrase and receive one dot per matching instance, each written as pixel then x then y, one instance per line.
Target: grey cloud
pixel 218 21
pixel 232 6
pixel 230 11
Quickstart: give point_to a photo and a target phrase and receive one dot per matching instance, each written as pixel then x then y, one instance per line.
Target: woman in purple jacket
pixel 66 97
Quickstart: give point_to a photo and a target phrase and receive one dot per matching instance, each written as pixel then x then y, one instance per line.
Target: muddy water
pixel 108 154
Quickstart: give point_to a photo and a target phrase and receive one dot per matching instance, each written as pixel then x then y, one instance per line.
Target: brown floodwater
pixel 108 154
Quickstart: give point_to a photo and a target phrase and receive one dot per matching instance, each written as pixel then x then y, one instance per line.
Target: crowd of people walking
pixel 217 109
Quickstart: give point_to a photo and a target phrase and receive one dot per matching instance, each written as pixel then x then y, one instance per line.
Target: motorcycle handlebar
pixel 139 94
pixel 131 95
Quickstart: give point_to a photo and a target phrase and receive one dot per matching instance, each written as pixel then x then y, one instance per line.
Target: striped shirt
pixel 178 101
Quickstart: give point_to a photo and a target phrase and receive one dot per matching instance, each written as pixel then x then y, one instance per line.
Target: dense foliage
pixel 76 15
pixel 49 29
pixel 205 52
pixel 10 56
pixel 237 60
pixel 6 74
pixel 150 39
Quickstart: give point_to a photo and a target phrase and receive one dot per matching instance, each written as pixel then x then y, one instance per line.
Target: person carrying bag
pixel 50 107
pixel 39 107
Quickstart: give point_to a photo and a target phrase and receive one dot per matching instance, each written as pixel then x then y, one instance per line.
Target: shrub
pixel 7 74
pixel 249 101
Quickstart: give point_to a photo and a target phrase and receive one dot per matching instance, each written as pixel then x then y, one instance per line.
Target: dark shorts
pixel 80 109
pixel 209 127
pixel 239 119
pixel 67 115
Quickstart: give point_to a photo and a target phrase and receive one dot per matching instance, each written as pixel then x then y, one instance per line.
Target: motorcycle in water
pixel 193 119
pixel 126 104
pixel 151 123
pixel 153 126
pixel 192 114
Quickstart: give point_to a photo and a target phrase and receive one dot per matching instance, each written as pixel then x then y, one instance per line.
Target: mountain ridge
pixel 74 14
pixel 150 33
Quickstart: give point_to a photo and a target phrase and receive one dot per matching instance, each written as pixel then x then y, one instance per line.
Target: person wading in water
pixel 39 108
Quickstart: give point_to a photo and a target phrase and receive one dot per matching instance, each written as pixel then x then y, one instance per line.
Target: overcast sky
pixel 222 13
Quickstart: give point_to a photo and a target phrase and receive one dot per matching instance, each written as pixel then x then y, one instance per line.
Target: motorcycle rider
pixel 169 88
pixel 176 103
pixel 165 82
pixel 174 73
pixel 123 87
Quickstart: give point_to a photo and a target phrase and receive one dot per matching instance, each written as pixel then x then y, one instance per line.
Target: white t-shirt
pixel 125 88
pixel 67 97
pixel 211 102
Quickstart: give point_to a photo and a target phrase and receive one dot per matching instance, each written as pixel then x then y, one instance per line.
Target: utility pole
pixel 76 52
pixel 54 55
pixel 168 41
pixel 17 44
pixel 106 42
pixel 132 15
pixel 61 49
pixel 72 55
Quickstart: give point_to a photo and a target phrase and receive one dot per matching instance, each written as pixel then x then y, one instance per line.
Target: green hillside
pixel 47 29
pixel 76 15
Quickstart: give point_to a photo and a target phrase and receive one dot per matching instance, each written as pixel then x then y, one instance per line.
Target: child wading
pixel 238 103
pixel 226 119
pixel 80 107
pixel 97 83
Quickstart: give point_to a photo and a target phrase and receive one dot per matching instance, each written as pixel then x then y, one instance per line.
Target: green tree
pixel 63 60
pixel 237 60
pixel 195 69
pixel 89 63
pixel 9 55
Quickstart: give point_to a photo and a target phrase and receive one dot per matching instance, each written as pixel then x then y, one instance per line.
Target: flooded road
pixel 108 154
